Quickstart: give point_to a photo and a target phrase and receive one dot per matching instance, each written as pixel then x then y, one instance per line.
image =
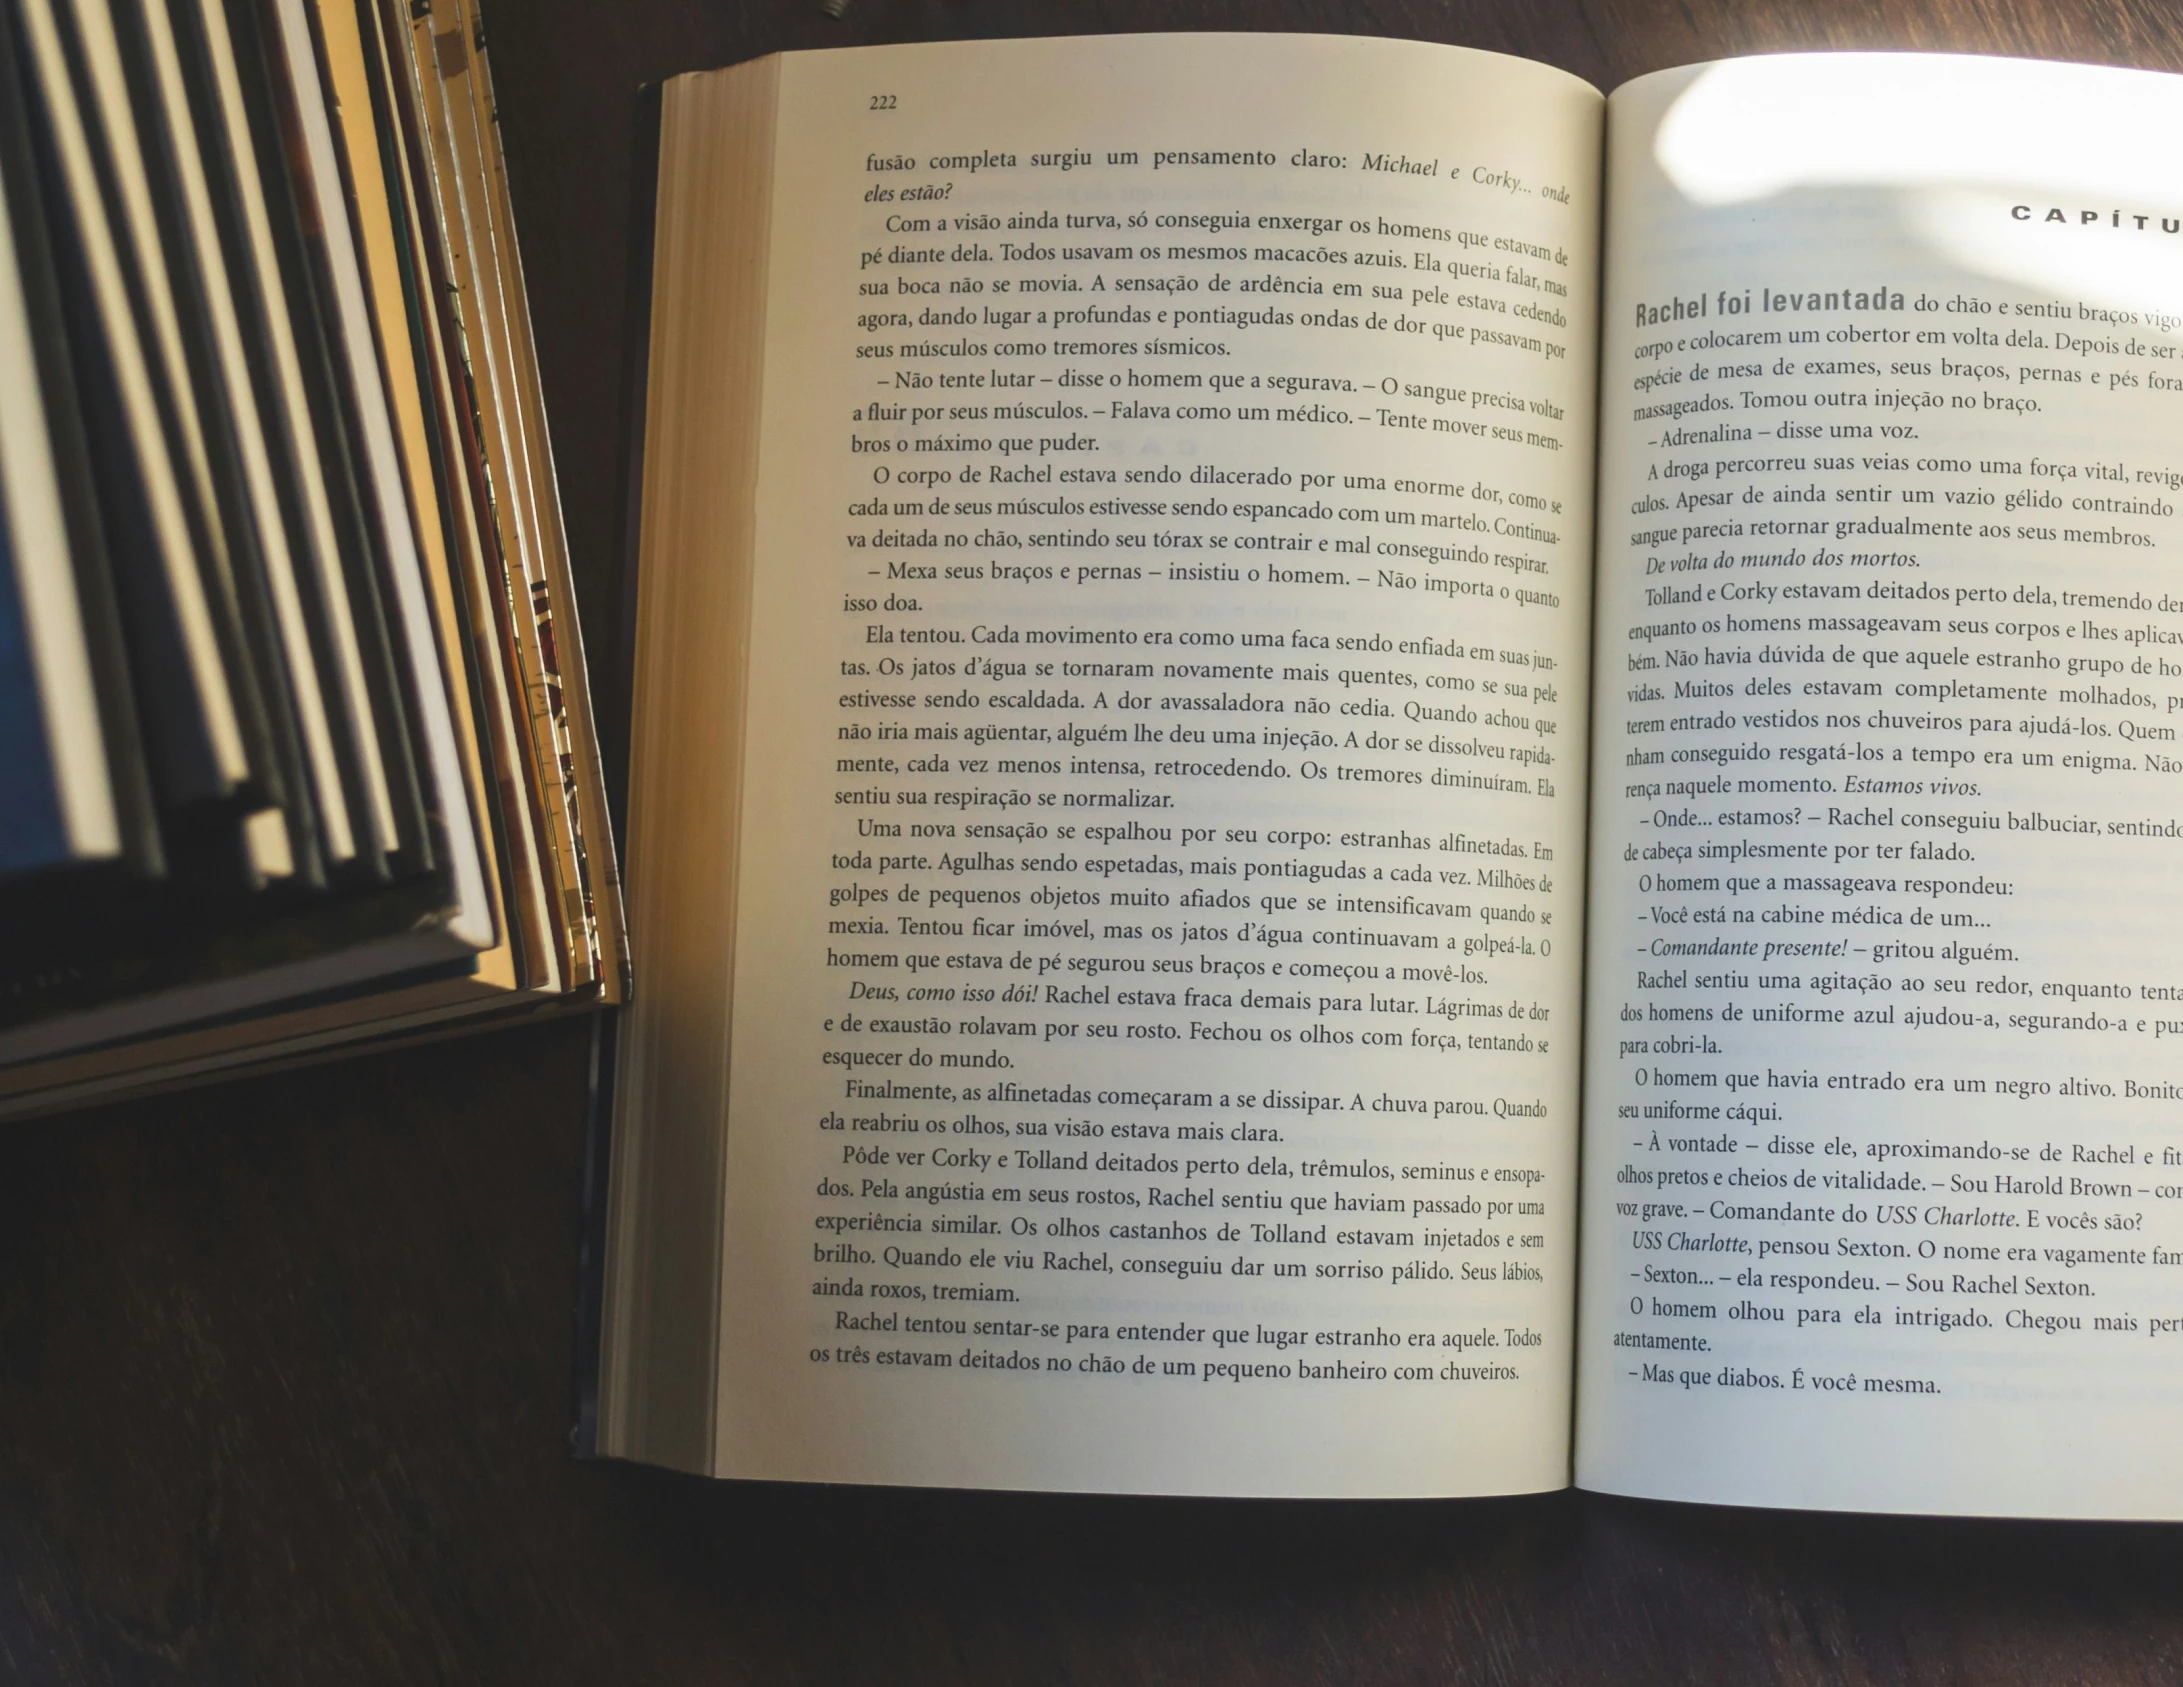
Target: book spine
pixel 606 1028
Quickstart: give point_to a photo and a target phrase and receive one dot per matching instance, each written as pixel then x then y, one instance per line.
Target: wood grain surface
pixel 284 1365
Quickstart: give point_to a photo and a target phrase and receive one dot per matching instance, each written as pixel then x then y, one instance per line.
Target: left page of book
pixel 1156 955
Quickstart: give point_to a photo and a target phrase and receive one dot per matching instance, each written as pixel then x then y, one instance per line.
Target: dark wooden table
pixel 284 1366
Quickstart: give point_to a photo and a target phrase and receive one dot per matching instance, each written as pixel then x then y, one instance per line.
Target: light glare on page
pixel 1947 136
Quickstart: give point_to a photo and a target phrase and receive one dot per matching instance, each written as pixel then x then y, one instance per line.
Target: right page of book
pixel 1883 1174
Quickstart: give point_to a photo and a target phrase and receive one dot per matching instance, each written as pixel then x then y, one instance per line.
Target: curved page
pixel 1884 1186
pixel 1154 1054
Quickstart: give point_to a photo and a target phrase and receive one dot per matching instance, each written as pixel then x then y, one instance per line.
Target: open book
pixel 1241 890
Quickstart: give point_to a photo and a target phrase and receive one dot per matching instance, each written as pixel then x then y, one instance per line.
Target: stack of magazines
pixel 295 741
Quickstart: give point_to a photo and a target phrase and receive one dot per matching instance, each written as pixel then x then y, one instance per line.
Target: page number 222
pixel 882 102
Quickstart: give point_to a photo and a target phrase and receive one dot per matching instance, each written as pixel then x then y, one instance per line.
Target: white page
pixel 1884 1180
pixel 1112 1203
